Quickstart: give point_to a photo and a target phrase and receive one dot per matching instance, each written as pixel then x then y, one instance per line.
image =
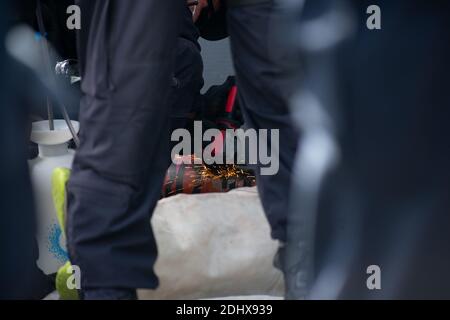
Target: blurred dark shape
pixel 373 176
pixel 19 275
pixel 55 19
pixel 212 22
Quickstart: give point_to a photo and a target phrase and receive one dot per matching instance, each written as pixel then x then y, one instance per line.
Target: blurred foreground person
pixel 127 58
pixel 20 277
pixel 370 212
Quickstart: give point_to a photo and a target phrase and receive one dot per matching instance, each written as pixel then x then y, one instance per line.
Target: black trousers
pixel 127 62
pixel 20 278
pixel 263 78
pixel 127 58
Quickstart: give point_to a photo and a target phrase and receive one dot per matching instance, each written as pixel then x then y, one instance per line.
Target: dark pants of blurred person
pixel 376 224
pixel 126 53
pixel 264 87
pixel 127 58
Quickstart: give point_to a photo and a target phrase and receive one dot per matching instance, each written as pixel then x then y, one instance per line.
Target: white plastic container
pixel 53 153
